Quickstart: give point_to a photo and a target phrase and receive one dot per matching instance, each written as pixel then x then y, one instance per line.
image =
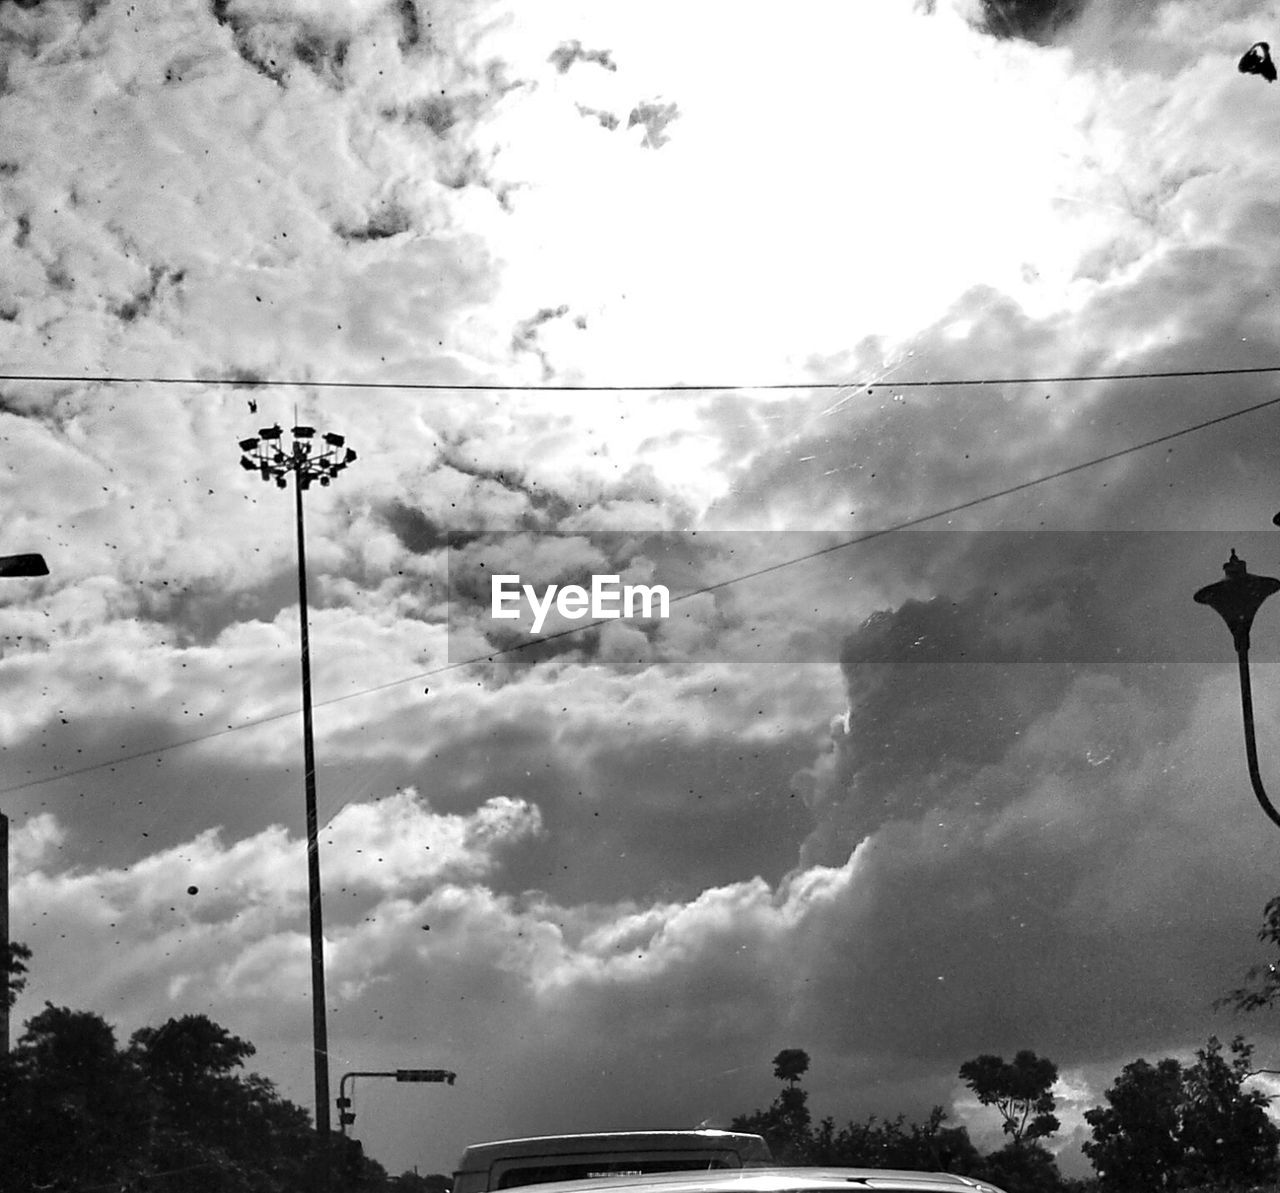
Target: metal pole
pixel 414 1075
pixel 4 926
pixel 29 564
pixel 320 1035
pixel 1250 740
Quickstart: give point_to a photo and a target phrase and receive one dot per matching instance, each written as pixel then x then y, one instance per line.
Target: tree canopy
pixel 14 967
pixel 785 1124
pixel 1021 1090
pixel 170 1113
pixel 1262 982
pixel 791 1064
pixel 1166 1126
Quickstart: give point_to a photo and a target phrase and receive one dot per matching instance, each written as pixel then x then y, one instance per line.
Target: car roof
pixel 567 1145
pixel 775 1180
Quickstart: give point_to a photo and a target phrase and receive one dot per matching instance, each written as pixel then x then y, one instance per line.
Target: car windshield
pixel 579 567
pixel 540 1173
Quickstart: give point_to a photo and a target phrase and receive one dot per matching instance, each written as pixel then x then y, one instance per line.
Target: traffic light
pixel 425 1075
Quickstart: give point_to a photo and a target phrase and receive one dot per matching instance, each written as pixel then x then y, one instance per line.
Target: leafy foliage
pixel 895 1143
pixel 72 1105
pixel 171 1112
pixel 216 1128
pixel 876 1143
pixel 791 1064
pixel 1225 1128
pixel 1135 1136
pixel 785 1124
pixel 1020 1090
pixel 14 967
pixel 1170 1127
pixel 1022 1168
pixel 1262 987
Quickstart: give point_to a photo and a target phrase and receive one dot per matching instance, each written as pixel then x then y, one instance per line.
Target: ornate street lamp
pixel 1236 600
pixel 308 461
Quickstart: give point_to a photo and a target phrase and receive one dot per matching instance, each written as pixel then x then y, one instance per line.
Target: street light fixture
pixel 346 1118
pixel 1236 600
pixel 265 454
pixel 17 566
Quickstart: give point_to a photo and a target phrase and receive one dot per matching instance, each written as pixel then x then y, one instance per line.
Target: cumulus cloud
pixel 210 911
pixel 566 54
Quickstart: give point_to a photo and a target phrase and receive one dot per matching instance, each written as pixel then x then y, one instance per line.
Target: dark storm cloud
pixel 389 219
pixel 662 818
pixel 969 937
pixel 942 690
pixel 1034 20
pixel 1005 597
pixel 415 530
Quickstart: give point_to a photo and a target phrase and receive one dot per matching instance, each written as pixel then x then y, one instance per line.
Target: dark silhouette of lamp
pixel 1236 600
pixel 23 565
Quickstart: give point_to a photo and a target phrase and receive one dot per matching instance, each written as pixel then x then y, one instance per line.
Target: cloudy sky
pixel 671 292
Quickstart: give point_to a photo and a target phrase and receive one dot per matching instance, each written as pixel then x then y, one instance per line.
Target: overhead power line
pixel 250 383
pixel 542 640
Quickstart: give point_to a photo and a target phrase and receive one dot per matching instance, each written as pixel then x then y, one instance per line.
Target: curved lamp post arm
pixel 1236 600
pixel 1250 741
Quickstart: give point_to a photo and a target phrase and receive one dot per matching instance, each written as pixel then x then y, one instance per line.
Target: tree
pixel 1226 1133
pixel 791 1064
pixel 14 968
pixel 73 1108
pixel 1136 1136
pixel 785 1125
pixel 1166 1126
pixel 212 1127
pixel 1022 1168
pixel 171 1113
pixel 893 1143
pixel 1020 1090
pixel 1262 988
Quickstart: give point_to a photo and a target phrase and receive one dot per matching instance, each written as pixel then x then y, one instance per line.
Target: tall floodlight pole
pixel 309 461
pixel 17 566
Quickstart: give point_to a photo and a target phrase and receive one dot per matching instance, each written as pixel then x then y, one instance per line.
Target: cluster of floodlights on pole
pixel 309 459
pixel 265 454
pixel 1236 600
